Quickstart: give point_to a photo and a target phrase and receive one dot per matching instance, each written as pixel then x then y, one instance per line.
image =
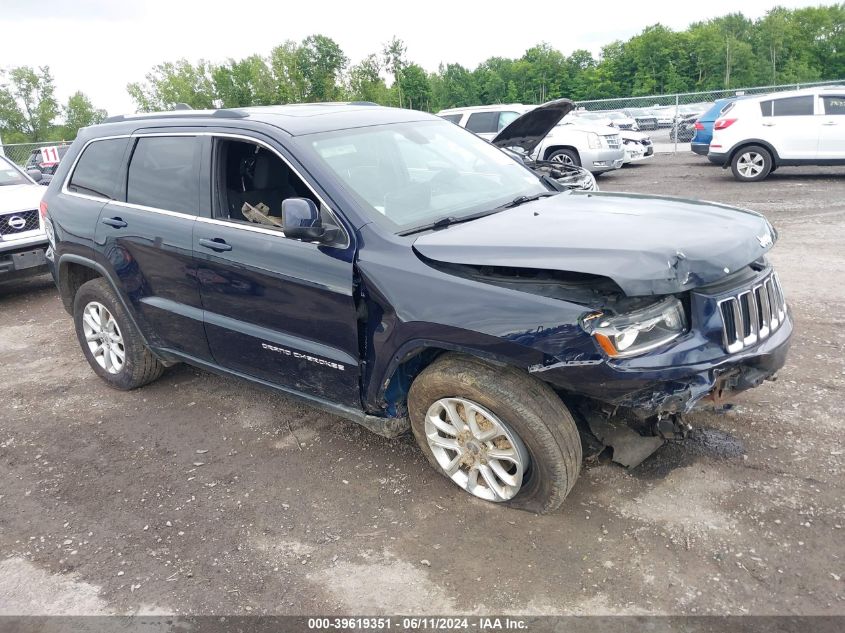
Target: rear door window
pixel 834 105
pixel 483 122
pixel 98 170
pixel 164 173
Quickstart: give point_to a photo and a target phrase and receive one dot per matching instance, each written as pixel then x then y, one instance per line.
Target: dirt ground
pixel 204 495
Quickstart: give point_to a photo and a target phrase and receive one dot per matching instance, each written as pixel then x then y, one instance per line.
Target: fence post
pixel 2 153
pixel 675 122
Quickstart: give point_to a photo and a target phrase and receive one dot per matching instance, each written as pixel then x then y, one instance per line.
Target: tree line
pixel 731 51
pixel 783 46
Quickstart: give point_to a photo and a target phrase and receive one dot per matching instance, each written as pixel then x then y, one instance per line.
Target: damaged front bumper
pixel 668 383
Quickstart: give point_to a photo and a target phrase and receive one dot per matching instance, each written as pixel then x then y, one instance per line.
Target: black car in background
pixel 392 268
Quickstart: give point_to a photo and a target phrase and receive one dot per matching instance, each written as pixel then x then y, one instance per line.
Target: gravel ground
pixel 203 495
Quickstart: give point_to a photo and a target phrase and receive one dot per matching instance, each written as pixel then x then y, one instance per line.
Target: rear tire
pixel 565 156
pixel 108 338
pixel 751 163
pixel 535 426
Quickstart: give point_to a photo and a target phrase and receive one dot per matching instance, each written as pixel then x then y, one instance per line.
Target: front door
pixel 276 309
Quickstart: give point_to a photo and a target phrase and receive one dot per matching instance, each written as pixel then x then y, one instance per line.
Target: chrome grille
pixel 18 222
pixel 752 314
pixel 614 141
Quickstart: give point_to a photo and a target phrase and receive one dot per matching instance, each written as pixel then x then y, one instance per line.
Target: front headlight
pixel 638 332
pixel 593 140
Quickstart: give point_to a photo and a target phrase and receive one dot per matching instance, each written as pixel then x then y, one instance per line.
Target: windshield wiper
pixel 523 199
pixel 449 220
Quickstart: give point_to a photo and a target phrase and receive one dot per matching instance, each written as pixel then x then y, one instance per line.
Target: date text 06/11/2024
pixel 418 623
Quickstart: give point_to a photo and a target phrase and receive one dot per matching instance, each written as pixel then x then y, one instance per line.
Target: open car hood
pixel 648 245
pixel 527 131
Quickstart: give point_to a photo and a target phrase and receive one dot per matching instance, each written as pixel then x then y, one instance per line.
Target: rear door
pixel 832 128
pixel 145 239
pixel 277 309
pixel 790 125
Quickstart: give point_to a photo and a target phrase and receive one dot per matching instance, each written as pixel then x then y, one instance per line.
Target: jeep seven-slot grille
pixel 18 222
pixel 752 314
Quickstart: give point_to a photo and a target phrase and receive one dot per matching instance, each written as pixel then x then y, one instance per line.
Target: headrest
pixel 269 172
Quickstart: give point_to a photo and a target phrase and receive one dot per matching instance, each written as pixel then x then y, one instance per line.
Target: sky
pixel 98 46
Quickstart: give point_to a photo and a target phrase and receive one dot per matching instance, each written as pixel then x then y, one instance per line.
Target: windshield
pixel 10 175
pixel 412 174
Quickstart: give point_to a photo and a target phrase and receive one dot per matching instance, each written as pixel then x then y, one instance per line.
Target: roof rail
pixel 179 113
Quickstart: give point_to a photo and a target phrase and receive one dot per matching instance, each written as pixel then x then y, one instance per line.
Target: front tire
pixel 111 343
pixel 496 432
pixel 751 163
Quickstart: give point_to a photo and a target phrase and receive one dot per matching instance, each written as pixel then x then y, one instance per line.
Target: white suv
pixel 755 136
pixel 594 147
pixel 23 241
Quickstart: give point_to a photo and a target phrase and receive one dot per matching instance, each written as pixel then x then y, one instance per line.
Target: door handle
pixel 117 223
pixel 217 244
pixel 767 124
pixel 829 123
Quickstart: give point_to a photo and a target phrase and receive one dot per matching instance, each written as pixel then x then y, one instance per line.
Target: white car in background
pixel 23 241
pixel 596 148
pixel 756 135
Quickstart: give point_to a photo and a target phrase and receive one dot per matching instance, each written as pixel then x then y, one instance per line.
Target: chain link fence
pixel 670 118
pixel 35 155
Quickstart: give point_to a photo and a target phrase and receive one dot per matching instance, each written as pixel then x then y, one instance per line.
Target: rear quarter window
pixel 452 118
pixel 98 169
pixel 834 105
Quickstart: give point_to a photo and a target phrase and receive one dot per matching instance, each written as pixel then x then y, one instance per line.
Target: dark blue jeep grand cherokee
pixel 394 269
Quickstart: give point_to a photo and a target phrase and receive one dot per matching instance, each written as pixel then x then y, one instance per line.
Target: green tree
pixel 287 73
pixel 321 64
pixel 28 104
pixel 80 112
pixel 175 82
pixel 249 81
pixel 415 86
pixel 366 83
pixel 394 60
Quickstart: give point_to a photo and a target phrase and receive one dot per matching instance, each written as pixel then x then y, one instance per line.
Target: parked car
pixel 645 120
pixel 637 146
pixel 485 121
pixel 597 149
pixel 23 242
pixel 46 160
pixel 621 120
pixel 683 129
pixel 700 143
pixel 757 135
pixel 389 267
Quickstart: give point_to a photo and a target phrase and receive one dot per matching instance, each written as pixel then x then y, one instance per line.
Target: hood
pixel 648 245
pixel 527 131
pixel 20 197
pixel 586 126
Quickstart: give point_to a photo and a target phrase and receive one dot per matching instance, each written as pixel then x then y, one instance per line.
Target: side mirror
pixel 301 220
pixel 35 174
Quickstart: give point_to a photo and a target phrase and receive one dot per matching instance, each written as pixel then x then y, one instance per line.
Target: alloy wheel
pixel 103 336
pixel 750 164
pixel 476 449
pixel 566 159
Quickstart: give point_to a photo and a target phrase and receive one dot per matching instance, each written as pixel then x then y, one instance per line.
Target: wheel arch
pixel 748 143
pixel 408 362
pixel 553 148
pixel 75 270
